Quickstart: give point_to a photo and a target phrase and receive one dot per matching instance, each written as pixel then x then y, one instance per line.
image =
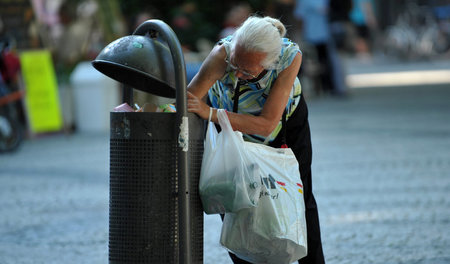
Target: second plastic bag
pixel 228 180
pixel 275 231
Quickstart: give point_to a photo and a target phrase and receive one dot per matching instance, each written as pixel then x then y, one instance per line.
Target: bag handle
pixel 210 114
pixel 224 122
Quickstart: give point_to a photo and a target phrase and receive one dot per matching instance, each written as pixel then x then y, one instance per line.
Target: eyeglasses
pixel 235 68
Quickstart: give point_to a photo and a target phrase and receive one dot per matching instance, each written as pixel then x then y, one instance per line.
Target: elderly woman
pixel 253 75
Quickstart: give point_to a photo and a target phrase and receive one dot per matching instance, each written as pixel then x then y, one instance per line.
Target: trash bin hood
pixel 142 62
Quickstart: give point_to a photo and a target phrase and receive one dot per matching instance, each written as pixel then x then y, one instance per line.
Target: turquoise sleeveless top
pixel 253 95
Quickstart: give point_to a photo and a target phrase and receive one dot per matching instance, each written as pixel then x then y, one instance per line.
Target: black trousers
pixel 298 138
pixel 326 72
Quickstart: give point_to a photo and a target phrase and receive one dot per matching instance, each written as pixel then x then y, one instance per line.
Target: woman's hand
pixel 198 106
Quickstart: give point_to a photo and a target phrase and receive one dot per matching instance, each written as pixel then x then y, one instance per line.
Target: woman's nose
pixel 240 75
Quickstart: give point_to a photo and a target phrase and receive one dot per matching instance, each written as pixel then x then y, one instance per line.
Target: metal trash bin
pixel 143 216
pixel 155 212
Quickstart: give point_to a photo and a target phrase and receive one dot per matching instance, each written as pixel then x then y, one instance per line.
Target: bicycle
pixel 417 34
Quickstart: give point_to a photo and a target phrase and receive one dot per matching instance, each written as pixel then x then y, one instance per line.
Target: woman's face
pixel 247 65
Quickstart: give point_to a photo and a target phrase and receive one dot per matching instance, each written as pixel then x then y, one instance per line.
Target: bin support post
pixel 127 94
pixel 182 122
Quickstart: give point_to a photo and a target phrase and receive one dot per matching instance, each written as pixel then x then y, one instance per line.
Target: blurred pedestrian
pixel 253 75
pixel 313 15
pixel 363 17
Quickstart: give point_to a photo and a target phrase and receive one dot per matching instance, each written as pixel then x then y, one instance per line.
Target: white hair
pixel 261 34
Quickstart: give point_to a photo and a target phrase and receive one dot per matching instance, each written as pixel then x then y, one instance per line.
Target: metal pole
pixel 183 139
pixel 127 94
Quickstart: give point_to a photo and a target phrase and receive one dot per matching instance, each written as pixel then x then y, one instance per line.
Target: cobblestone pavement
pixel 381 176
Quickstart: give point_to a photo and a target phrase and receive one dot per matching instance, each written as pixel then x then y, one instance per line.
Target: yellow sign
pixel 41 96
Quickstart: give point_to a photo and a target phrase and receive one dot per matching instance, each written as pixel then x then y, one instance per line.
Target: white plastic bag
pixel 274 231
pixel 228 182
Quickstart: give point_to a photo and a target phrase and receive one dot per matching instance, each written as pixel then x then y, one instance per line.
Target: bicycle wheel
pixel 10 134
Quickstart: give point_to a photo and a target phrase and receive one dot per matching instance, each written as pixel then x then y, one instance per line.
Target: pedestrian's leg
pixel 337 71
pixel 325 73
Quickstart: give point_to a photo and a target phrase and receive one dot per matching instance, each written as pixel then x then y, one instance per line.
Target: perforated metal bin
pixel 155 213
pixel 143 216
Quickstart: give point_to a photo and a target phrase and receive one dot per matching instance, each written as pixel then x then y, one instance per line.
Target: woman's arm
pixel 212 69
